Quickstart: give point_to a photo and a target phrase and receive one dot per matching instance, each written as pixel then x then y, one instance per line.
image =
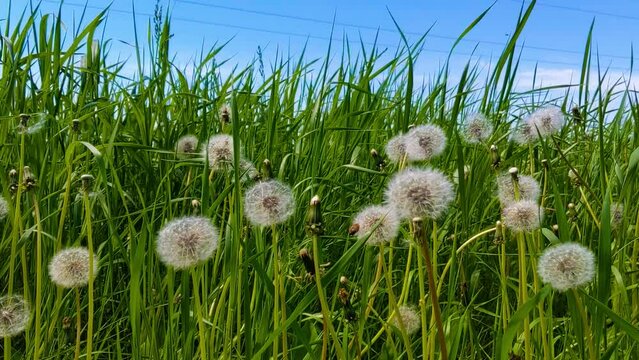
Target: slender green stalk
pixel 38 294
pixel 88 224
pixel 523 291
pixel 78 323
pixel 326 318
pixel 434 299
pixel 198 310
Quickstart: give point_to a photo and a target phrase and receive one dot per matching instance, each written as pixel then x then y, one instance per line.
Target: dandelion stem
pixel 584 318
pixel 328 325
pixel 78 323
pixel 198 311
pixel 87 219
pixel 38 295
pixel 523 291
pixel 276 291
pixel 434 298
pixel 393 308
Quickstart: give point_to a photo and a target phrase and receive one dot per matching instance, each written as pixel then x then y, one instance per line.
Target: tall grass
pixel 316 121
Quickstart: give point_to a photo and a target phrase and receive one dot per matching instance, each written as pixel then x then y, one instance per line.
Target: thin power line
pixel 368 27
pixel 308 36
pixel 580 10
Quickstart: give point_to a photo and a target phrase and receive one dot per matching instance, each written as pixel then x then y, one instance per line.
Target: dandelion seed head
pixel 15 314
pixel 616 214
pixel 566 266
pixel 186 145
pixel 268 203
pixel 225 113
pixel 424 142
pixel 378 224
pixel 419 193
pixel 523 215
pixel 527 186
pixel 69 268
pixel 523 134
pixel 248 170
pixel 4 208
pixel 547 120
pixel 220 151
pixel 184 242
pixel 476 128
pixel 409 318
pixel 396 148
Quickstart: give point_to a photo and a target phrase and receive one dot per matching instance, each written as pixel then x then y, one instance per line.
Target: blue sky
pixel 553 39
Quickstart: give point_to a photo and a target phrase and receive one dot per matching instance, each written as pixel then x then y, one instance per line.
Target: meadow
pixel 297 208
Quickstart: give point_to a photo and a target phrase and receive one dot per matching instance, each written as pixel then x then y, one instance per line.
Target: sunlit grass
pixel 88 158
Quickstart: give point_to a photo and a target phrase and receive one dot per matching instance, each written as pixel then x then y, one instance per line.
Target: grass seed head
pixel 378 224
pixel 425 142
pixel 476 128
pixel 69 268
pixel 15 314
pixel 566 266
pixel 268 203
pixel 522 215
pixel 184 242
pixel 419 193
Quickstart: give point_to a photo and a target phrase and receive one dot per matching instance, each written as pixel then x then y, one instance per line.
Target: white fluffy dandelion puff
pixel 396 148
pixel 186 241
pixel 186 145
pixel 268 203
pixel 4 208
pixel 523 215
pixel 543 122
pixel 527 187
pixel 220 151
pixel 409 318
pixel 476 128
pixel 425 142
pixel 419 193
pixel 15 314
pixel 378 224
pixel 69 268
pixel 566 266
pixel 248 171
pixel 547 120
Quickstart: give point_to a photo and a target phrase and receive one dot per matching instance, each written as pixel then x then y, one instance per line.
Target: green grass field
pixel 88 158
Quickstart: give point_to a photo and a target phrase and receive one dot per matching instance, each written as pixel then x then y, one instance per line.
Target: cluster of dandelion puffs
pixel 540 124
pixel 420 143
